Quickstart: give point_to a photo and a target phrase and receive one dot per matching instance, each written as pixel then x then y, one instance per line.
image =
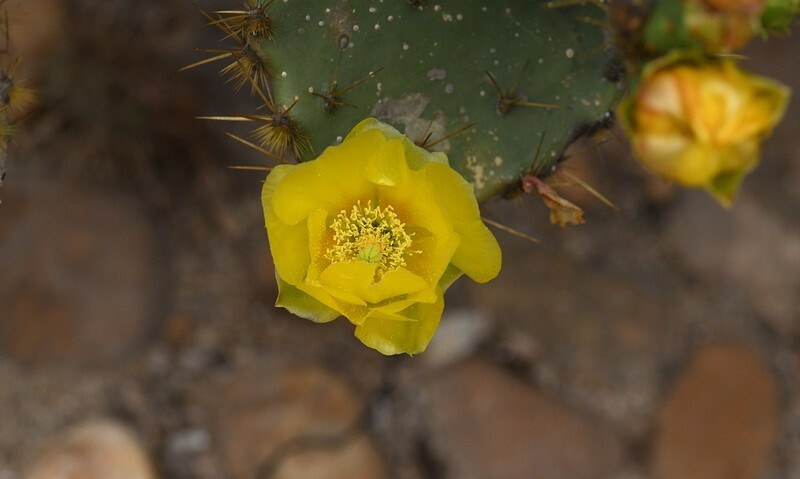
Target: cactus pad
pixel 484 82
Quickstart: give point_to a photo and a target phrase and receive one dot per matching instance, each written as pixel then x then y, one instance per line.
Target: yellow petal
pixel 318 243
pixel 333 182
pixel 449 277
pixel 697 164
pixel 391 336
pixel 416 204
pixel 345 280
pixel 355 313
pixel 320 294
pixel 658 151
pixel 764 107
pixel 661 95
pixel 416 157
pixel 725 187
pixel 453 193
pixel 387 166
pixel 394 283
pixel 394 307
pixel 742 155
pixel 345 295
pixel 288 243
pixel 738 162
pixel 370 124
pixel 379 314
pixel 349 275
pixel 434 256
pixel 479 257
pixel 301 304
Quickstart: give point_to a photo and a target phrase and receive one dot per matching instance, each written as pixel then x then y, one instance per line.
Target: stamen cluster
pixel 372 234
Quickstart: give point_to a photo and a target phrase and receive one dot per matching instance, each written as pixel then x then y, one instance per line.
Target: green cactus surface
pixel 433 69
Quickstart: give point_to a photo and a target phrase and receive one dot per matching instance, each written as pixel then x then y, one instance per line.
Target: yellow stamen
pixel 372 234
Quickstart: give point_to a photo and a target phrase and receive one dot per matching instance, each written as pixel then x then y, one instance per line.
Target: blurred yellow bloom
pixel 375 229
pixel 702 124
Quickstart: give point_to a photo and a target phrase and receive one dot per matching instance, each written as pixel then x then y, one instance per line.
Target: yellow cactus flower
pixel 701 124
pixel 375 229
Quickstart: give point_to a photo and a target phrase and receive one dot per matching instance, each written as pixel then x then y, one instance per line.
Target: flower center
pixel 372 234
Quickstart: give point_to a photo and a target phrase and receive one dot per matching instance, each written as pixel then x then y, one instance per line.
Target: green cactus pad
pixel 432 60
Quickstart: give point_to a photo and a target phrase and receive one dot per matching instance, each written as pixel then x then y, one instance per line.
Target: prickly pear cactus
pixel 489 83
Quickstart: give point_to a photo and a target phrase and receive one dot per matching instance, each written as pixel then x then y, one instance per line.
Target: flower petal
pixel 479 257
pixel 318 237
pixel 434 256
pixel 425 296
pixel 332 182
pixel 449 277
pixel 454 194
pixel 355 313
pixel 288 244
pixel 394 283
pixel 387 166
pixel 345 280
pixel 391 336
pixel 301 304
pixel 416 157
pixel 350 274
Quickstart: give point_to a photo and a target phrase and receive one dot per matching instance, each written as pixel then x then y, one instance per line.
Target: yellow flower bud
pixel 701 124
pixel 375 229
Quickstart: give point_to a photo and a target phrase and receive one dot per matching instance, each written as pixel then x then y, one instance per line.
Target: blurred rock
pixel 630 473
pixel 81 280
pixel 659 191
pixel 488 425
pixel 720 420
pixel 94 450
pixel 264 409
pixel 750 248
pixel 357 458
pixel 460 333
pixel 188 441
pixel 178 329
pixel 515 346
pixel 599 337
pixel 259 255
pixel 35 29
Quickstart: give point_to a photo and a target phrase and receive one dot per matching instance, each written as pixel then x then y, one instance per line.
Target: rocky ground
pixel 138 336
